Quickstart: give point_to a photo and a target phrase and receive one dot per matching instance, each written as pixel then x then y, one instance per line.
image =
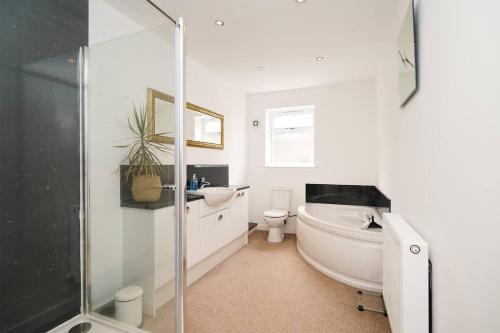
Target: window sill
pixel 308 166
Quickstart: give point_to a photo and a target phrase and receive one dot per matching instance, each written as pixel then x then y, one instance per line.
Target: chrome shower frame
pixel 180 195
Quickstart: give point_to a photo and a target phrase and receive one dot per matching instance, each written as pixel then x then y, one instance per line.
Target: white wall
pixel 345 143
pixel 440 156
pixel 125 60
pixel 206 89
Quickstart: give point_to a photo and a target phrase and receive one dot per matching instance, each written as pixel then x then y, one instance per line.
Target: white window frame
pixel 202 122
pixel 270 114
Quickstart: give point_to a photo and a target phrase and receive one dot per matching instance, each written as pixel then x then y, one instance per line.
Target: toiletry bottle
pixel 194 183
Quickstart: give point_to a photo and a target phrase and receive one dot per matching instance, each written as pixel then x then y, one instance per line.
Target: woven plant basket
pixel 146 188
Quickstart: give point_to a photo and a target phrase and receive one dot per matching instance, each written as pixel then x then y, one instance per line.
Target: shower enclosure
pixel 71 233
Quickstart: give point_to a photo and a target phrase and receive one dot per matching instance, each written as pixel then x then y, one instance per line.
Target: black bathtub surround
pixel 216 175
pixel 166 199
pixel 357 195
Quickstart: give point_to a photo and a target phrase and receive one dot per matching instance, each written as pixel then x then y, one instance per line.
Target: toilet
pixel 276 216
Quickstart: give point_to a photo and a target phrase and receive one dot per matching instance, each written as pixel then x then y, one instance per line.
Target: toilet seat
pixel 275 213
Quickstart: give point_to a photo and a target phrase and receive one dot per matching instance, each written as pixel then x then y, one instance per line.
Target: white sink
pixel 215 196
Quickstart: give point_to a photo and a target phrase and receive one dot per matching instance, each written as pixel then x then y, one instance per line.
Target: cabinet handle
pixel 187 209
pixel 220 217
pixel 238 195
pixel 242 193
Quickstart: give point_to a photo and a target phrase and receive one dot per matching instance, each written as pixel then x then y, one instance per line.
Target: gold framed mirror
pixel 203 128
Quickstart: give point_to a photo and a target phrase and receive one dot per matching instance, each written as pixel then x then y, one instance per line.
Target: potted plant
pixel 143 159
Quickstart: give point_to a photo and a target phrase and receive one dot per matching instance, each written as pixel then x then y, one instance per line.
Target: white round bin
pixel 128 305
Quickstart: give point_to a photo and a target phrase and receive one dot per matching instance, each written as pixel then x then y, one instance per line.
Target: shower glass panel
pixel 131 218
pixel 40 285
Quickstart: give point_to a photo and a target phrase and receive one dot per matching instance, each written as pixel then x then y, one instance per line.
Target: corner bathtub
pixel 330 238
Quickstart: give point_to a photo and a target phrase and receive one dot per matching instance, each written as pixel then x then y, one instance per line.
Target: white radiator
pixel 405 276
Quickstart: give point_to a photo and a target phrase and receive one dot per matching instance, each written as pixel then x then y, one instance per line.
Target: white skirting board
pixel 166 292
pixel 206 265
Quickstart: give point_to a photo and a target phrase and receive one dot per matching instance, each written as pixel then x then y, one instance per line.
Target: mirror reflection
pixel 407 65
pixel 161 116
pixel 203 127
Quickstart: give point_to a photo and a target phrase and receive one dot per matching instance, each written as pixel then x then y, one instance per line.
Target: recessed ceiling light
pixel 320 58
pixel 260 68
pixel 220 23
pixel 300 1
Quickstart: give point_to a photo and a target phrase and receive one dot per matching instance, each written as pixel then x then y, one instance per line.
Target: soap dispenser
pixel 194 183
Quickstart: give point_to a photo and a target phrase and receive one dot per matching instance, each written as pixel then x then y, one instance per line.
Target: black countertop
pixel 193 197
pixel 168 200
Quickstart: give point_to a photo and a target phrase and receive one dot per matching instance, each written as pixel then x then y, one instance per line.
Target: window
pixel 290 137
pixel 207 129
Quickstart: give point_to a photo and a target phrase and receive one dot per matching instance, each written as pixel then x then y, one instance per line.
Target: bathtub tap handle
pixel 370 217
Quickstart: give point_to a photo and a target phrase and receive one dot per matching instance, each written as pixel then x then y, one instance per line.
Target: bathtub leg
pixel 371 301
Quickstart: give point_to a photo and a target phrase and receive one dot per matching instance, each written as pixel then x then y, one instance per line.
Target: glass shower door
pixel 133 150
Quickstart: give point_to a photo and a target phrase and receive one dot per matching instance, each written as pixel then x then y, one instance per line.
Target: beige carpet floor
pixel 269 288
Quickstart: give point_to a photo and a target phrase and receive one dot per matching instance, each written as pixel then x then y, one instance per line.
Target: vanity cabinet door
pixel 222 228
pixel 234 223
pixel 208 241
pixel 164 252
pixel 193 239
pixel 243 223
pixel 213 232
pixel 239 214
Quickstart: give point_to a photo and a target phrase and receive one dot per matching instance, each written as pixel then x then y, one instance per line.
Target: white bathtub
pixel 330 238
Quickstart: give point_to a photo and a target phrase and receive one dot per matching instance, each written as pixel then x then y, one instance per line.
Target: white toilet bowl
pixel 275 220
pixel 276 216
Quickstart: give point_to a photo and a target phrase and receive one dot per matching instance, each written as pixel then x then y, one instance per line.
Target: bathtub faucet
pixel 369 219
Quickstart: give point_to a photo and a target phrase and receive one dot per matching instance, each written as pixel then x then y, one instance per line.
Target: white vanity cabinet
pixel 214 232
pixel 212 235
pixel 239 214
pixel 192 227
pixel 149 254
pixel 211 228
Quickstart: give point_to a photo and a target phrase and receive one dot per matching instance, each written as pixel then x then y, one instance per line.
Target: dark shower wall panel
pixel 39 165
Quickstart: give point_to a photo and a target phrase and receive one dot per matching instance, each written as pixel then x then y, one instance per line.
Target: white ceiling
pixel 285 37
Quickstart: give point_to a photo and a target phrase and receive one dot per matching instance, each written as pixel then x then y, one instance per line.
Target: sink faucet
pixel 204 182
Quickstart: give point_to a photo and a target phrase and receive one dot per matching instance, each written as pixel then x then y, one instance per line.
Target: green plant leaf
pixel 143 155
